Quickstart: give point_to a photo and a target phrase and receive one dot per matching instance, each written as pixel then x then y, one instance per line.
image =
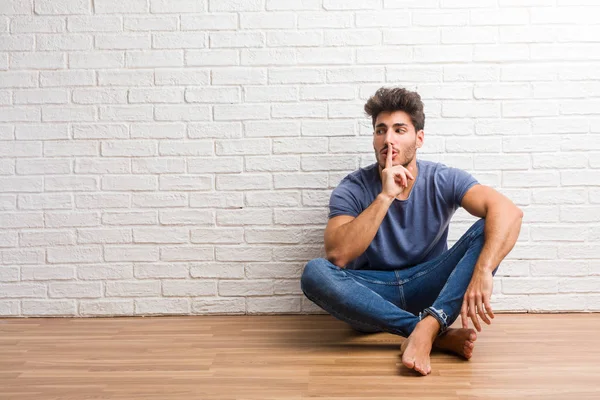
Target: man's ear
pixel 420 138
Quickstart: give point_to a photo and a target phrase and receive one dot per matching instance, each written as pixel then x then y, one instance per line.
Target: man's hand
pixel 476 298
pixel 394 177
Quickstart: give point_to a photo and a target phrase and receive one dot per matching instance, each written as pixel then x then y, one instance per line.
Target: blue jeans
pixel 395 301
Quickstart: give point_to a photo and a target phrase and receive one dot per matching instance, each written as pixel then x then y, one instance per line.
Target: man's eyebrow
pixel 396 124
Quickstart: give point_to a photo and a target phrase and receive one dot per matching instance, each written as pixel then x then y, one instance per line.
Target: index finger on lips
pixel 388 161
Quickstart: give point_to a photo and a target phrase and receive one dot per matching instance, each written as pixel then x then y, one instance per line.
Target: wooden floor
pixel 520 356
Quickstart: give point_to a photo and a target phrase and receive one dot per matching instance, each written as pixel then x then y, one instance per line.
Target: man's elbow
pixel 336 259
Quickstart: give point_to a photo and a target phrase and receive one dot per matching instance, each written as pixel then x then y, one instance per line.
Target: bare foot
pixel 416 348
pixel 458 341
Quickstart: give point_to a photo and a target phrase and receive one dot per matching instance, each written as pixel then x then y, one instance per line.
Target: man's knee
pixel 312 270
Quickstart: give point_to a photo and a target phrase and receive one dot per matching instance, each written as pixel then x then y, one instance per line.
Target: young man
pixel 388 267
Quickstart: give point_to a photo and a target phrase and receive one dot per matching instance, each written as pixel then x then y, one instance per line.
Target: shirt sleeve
pixel 456 184
pixel 345 199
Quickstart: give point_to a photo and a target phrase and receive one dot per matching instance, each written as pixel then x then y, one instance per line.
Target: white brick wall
pixel 177 156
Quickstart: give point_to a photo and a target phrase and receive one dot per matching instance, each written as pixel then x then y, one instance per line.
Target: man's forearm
pixel 502 227
pixel 352 239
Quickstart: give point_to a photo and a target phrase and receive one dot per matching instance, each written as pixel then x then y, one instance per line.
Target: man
pixel 388 267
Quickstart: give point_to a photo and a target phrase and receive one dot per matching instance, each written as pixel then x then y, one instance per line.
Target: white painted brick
pixel 580 178
pixel 102 200
pixel 273 270
pixel 21 184
pixel 106 307
pixel 559 160
pixel 216 21
pixel 120 7
pixel 8 202
pixel 104 271
pixel 18 79
pixel 239 76
pixel 181 253
pixel 186 148
pixel 191 288
pixel 445 53
pixel 16 43
pixel 177 6
pixel 435 18
pixel 179 40
pixel 9 274
pixel 540 214
pixel 125 78
pixel 470 109
pixel 162 23
pixel 558 233
pixel 132 288
pixel 279 199
pixel 103 165
pixel 555 302
pixel 135 148
pixel 219 306
pixel 217 270
pixel 62 6
pixel 154 58
pixel 315 180
pixel 47 273
pixel 63 42
pixel 41 96
pixel 354 38
pixel 224 112
pixel 70 183
pixel 579 214
pixel 502 162
pixel 300 217
pixel 158 166
pixel 94 24
pixel 411 74
pixel 215 165
pixel 214 130
pixel 67 78
pixel 268 57
pixel 329 92
pixel 47 237
pixel 245 217
pixel 37 60
pixel 296 75
pixel 101 59
pixel 316 198
pixel 50 201
pixel 217 235
pixel 299 110
pixel 296 5
pixel 182 77
pixel 244 182
pixel 186 217
pixel 160 235
pixel 323 56
pixel 561 124
pixel 123 41
pixel 212 57
pixel 125 113
pixel 152 200
pixel 275 304
pixel 181 113
pixel 559 196
pixel 20 149
pixel 75 290
pixel 268 20
pixel 71 219
pixel 245 288
pixel 68 114
pixel 103 236
pixel 129 253
pixel 351 4
pixel 271 128
pixel 328 163
pixel 162 306
pixel 74 254
pixel 49 307
pixel 100 131
pixel 23 256
pixel 129 183
pixel 243 147
pixel 9 239
pixel 182 182
pixel 530 179
pixel 328 128
pixel 535 143
pixel 212 95
pixel 302 145
pixel 17 7
pixel 298 253
pixel 351 145
pixel 237 39
pixel 154 271
pixel 408 36
pixel 216 200
pixel 61 148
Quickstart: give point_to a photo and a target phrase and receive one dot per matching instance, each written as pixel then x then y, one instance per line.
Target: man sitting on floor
pixel 388 266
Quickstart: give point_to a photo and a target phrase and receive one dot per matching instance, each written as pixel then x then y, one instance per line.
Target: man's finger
pixel 388 161
pixel 488 308
pixel 473 315
pixel 463 315
pixel 481 312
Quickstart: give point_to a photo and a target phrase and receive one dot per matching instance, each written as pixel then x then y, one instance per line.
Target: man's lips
pixel 384 153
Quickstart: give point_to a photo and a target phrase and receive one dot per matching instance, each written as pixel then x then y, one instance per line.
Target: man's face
pixel 396 128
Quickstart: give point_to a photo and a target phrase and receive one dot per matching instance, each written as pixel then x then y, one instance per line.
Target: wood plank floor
pixel 520 356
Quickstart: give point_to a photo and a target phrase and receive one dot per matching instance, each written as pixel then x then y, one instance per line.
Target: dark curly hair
pixel 397 99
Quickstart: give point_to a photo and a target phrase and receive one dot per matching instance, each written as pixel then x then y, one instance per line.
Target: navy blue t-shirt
pixel 414 230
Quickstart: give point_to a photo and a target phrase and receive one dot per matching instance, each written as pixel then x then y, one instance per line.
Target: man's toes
pixel 410 363
pixel 472 336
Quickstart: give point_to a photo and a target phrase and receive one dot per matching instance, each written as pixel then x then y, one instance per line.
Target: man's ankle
pixel 431 325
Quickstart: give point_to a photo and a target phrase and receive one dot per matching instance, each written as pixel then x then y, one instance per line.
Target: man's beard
pixel 406 156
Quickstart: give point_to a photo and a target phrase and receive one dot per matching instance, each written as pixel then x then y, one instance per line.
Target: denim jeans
pixel 395 301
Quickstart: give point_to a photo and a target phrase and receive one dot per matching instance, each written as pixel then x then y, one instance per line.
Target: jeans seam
pixel 400 292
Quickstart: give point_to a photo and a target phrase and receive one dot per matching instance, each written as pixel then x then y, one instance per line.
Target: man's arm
pixel 502 224
pixel 502 227
pixel 347 237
